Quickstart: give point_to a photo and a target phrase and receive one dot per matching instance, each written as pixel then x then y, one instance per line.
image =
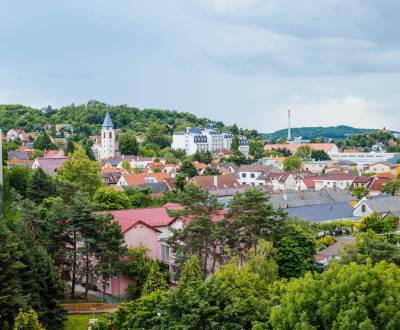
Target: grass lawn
pixel 80 322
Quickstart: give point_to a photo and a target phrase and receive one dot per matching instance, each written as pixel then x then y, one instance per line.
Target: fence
pixel 89 307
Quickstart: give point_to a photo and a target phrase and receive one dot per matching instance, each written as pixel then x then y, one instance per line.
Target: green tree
pixel 128 144
pixel 360 192
pixel 11 295
pixel 43 142
pixel 69 148
pixel 107 198
pixel 375 223
pixel 41 186
pixel 319 155
pixel 136 266
pixel 211 170
pixel 36 154
pixel 292 163
pixel 392 187
pixel 27 320
pixel 343 297
pixel 155 280
pixel 203 157
pixel 18 177
pixel 157 134
pixel 296 251
pixel 256 149
pixel 188 169
pixel 82 171
pixel 304 152
pixel 139 197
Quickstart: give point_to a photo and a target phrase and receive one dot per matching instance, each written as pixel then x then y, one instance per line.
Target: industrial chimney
pixel 289 133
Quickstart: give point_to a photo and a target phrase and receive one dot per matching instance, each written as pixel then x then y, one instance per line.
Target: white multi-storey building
pixel 107 147
pixel 197 139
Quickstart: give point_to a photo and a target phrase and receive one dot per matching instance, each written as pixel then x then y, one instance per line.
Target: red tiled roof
pixel 309 182
pixel 136 179
pixel 378 183
pixel 153 217
pixel 54 153
pixel 223 181
pixel 362 179
pixel 199 166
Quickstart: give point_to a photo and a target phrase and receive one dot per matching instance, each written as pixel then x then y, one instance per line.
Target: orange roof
pixel 292 147
pixel 199 166
pixel 111 170
pixel 19 161
pixel 386 175
pixel 136 179
pixel 53 153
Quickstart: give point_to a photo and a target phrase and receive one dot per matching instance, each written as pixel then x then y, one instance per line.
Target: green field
pixel 79 322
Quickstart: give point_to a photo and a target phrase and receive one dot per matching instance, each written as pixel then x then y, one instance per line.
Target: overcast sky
pixel 245 61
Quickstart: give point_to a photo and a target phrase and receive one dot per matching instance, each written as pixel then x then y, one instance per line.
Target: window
pixel 110 135
pixel 252 175
pixel 363 208
pixel 243 175
pixel 164 252
pixel 104 135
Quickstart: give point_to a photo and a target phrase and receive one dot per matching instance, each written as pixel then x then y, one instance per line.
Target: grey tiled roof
pixel 323 212
pixel 310 197
pixel 384 204
pixel 17 155
pixel 107 121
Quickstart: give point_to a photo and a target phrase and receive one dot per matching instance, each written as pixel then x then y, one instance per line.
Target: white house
pixel 197 139
pixel 337 180
pixel 363 159
pixel 383 205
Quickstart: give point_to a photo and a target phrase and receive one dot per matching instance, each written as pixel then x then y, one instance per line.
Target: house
pixel 147 227
pixel 341 166
pixel 378 183
pixel 382 205
pixel 383 167
pixel 54 153
pixel 362 181
pixel 49 165
pixel 274 161
pixel 141 178
pixel 17 134
pixel 333 252
pixel 323 212
pixel 65 128
pixel 289 199
pixel 336 180
pixel 290 180
pixel 110 175
pixel 200 167
pixel 213 182
pixel 254 174
pixel 315 167
pixel 329 148
pixel 19 162
pixel 17 155
pixel 170 169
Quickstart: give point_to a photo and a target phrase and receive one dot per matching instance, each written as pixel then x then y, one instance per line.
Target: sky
pixel 332 62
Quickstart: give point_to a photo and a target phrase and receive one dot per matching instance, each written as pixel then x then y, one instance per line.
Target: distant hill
pixel 332 132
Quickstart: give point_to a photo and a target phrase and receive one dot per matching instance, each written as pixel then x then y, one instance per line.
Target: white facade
pixel 107 147
pixel 197 139
pixel 365 158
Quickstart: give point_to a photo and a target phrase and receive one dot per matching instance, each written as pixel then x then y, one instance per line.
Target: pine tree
pixel 11 296
pixel 155 280
pixel 41 186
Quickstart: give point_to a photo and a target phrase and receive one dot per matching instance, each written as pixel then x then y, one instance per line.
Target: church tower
pixel 107 149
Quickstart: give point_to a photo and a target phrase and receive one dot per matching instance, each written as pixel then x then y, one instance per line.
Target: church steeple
pixel 107 149
pixel 107 123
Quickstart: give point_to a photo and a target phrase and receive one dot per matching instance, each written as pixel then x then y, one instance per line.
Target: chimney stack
pixel 215 181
